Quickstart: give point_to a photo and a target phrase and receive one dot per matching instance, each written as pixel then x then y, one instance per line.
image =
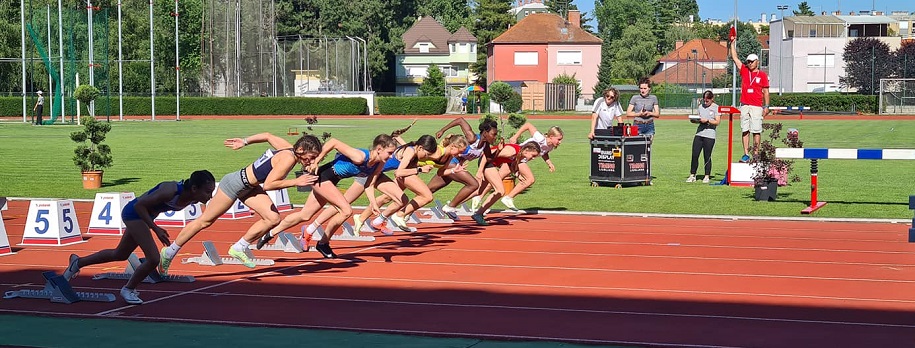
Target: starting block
pixel 347 234
pixel 106 213
pixel 5 248
pixel 51 222
pixel 436 216
pixel 210 257
pixel 154 277
pixel 285 241
pixel 58 290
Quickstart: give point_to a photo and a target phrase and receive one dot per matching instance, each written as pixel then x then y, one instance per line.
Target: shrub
pixel 514 103
pixel 412 105
pixel 90 153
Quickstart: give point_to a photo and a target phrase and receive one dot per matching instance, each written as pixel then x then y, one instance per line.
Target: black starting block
pixel 58 290
pixel 154 277
pixel 211 257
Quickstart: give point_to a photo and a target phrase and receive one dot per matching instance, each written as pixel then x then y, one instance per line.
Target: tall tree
pixel 491 19
pixel 613 16
pixel 560 7
pixel 803 9
pixel 604 72
pixel 635 52
pixel 453 14
pixel 867 60
pixel 666 14
pixel 905 60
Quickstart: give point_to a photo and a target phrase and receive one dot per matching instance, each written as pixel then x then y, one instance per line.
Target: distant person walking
pixel 754 99
pixel 39 108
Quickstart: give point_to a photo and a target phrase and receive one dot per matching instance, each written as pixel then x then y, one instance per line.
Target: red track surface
pixel 592 279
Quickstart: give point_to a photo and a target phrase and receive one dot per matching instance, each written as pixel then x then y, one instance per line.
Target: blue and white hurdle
pixel 814 154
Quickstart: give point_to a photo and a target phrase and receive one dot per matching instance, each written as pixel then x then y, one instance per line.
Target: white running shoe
pixel 691 178
pixel 509 202
pixel 131 296
pixel 475 203
pixel 451 212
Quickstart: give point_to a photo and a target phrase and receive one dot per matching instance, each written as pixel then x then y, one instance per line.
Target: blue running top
pixel 129 213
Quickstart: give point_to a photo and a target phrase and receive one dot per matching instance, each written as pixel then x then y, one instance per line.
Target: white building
pixel 809 55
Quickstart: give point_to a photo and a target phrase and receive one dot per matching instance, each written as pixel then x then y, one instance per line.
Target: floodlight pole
pixel 781 49
pixel 50 53
pixel 22 49
pixel 91 56
pixel 177 69
pixel 120 69
pixel 152 63
pixel 60 49
pixel 734 68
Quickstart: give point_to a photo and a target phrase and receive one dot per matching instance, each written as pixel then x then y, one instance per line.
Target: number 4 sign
pixel 51 223
pixel 106 213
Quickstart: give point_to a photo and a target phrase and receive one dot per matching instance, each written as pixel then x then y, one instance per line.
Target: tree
pixel 491 19
pixel 613 16
pixel 635 52
pixel 747 43
pixel 560 7
pixel 500 92
pixel 604 73
pixel 867 60
pixel 434 83
pixel 569 80
pixel 905 60
pixel 667 13
pixel 453 14
pixel 803 9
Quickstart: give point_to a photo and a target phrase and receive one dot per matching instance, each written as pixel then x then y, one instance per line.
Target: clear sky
pixel 752 9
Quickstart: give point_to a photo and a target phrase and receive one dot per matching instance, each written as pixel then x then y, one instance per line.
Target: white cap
pixel 39 91
pixel 752 57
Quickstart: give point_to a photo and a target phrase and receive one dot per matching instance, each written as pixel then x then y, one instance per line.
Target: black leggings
pixel 705 145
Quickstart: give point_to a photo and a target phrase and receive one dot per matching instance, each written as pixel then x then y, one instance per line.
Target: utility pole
pixel 781 48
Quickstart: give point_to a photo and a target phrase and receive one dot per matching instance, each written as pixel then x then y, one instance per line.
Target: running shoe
pixel 131 296
pixel 705 180
pixel 263 240
pixel 400 223
pixel 475 202
pixel 357 224
pixel 509 202
pixel 382 228
pixel 325 250
pixel 72 269
pixel 164 261
pixel 451 212
pixel 479 220
pixel 241 256
pixel 304 240
pixel 691 178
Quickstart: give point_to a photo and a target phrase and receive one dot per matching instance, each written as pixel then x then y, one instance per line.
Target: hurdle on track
pixel 815 154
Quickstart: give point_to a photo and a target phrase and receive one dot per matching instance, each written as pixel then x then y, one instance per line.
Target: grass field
pixel 36 162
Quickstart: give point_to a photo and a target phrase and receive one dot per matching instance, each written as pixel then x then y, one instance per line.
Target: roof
pixel 706 50
pixel 867 19
pixel 763 40
pixel 539 28
pixel 828 19
pixel 462 35
pixel 688 72
pixel 427 29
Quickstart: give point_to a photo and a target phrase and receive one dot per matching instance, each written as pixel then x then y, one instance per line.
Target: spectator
pixel 704 141
pixel 644 107
pixel 605 110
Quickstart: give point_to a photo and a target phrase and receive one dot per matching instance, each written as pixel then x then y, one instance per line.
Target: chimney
pixel 762 18
pixel 851 13
pixel 837 13
pixel 773 18
pixel 823 13
pixel 575 18
pixel 878 13
pixel 678 44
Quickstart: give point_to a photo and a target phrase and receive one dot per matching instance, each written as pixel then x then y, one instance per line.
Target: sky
pixel 752 9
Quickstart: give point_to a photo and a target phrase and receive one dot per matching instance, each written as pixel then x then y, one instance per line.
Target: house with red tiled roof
pixel 542 46
pixel 692 64
pixel 426 43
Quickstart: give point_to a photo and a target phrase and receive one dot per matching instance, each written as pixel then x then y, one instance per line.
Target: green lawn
pixel 37 163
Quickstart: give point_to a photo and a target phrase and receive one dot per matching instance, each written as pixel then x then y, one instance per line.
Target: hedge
pixel 836 102
pixel 412 105
pixel 12 106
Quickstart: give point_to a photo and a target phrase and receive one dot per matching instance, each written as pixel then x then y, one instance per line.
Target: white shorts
pixel 751 119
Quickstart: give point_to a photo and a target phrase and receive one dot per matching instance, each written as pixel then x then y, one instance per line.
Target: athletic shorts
pixel 751 119
pixel 234 185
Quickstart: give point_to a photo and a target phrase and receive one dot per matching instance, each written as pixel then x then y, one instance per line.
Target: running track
pixel 589 279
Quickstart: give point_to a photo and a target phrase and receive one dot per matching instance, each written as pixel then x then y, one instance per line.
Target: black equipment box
pixel 620 160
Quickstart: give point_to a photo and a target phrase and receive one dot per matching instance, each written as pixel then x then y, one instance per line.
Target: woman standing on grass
pixel 349 162
pixel 270 170
pixel 704 141
pixel 138 217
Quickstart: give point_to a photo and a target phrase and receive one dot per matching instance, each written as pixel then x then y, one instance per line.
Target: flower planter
pixel 92 179
pixel 767 191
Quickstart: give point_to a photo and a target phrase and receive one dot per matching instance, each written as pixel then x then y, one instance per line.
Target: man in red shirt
pixel 754 99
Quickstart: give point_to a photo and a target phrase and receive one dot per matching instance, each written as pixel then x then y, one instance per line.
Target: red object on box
pixel 733 33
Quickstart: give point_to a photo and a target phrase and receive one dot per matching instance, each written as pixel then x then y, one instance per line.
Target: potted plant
pixel 770 172
pixel 91 156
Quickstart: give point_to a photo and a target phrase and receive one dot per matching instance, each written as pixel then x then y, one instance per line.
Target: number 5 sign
pixel 51 223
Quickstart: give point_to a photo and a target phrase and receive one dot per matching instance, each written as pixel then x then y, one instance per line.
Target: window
pixel 568 58
pixel 416 70
pixel 526 58
pixel 449 71
pixel 821 60
pixel 423 47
